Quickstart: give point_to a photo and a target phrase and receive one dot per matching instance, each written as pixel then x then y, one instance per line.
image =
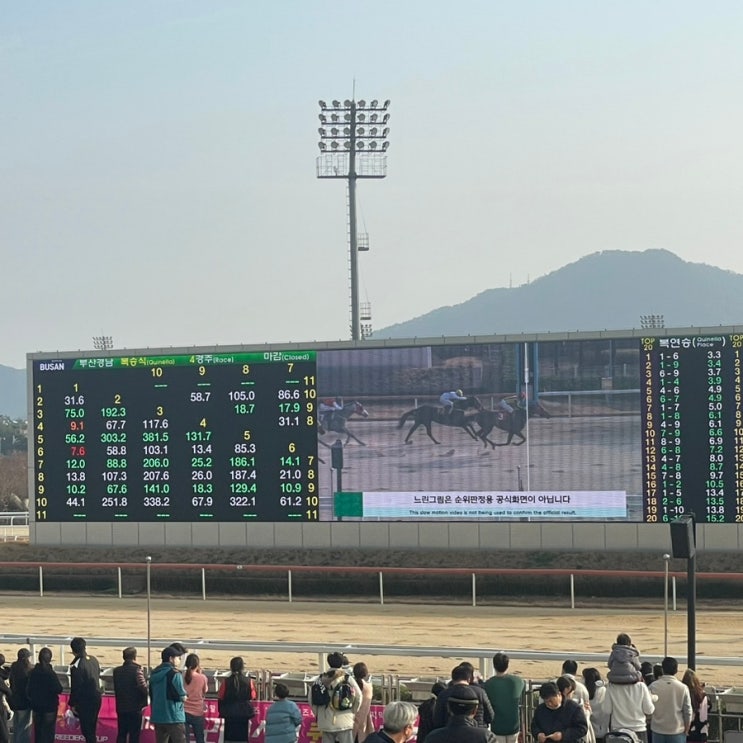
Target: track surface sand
pixel 566 631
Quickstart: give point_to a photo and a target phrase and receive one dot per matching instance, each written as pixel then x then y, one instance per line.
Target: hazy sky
pixel 158 158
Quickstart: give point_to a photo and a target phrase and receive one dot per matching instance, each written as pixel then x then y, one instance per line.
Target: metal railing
pixel 13 526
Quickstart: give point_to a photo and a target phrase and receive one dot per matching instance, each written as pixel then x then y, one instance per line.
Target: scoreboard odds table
pixel 207 437
pixel 231 437
pixel 692 423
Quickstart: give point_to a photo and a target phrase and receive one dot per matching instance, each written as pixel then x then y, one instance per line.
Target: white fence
pixel 14 526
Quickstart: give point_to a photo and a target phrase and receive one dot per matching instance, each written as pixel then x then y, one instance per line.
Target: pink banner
pixel 68 727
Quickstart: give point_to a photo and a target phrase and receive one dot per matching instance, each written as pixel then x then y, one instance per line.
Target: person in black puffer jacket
pixel 19 701
pixel 43 692
pixel 557 715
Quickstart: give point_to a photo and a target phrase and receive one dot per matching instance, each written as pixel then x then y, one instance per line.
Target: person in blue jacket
pixel 283 717
pixel 167 695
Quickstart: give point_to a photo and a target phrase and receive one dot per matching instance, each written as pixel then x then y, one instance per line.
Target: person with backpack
pixel 234 698
pixel 335 699
pixel 167 695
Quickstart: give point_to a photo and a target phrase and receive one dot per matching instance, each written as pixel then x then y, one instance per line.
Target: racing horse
pixel 335 421
pixel 426 414
pixel 512 423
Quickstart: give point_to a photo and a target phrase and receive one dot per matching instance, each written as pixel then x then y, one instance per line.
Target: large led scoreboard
pixel 622 428
pixel 197 437
pixel 692 442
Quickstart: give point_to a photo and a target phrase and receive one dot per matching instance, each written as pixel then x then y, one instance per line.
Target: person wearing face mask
pixel 556 718
pixel 398 724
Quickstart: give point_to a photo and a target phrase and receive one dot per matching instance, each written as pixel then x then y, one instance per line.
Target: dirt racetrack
pixel 337 624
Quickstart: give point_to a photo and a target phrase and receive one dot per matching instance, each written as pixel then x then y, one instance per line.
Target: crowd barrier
pixel 68 727
pixel 726 719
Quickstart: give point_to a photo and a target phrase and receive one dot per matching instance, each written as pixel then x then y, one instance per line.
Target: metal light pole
pixel 353 143
pixel 666 558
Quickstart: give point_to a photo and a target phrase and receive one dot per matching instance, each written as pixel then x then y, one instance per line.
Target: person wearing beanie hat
pixel 167 695
pixel 462 702
pixel 85 689
pixel 19 701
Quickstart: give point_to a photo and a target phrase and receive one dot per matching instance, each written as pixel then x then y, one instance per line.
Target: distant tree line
pixel 13 465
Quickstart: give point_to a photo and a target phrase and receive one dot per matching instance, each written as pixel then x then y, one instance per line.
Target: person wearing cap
pixel 557 719
pixel 130 691
pixel 461 727
pixel 19 701
pixel 85 689
pixel 167 695
pixel 398 724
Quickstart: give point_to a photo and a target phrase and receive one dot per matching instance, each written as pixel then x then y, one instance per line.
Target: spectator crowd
pixel 636 703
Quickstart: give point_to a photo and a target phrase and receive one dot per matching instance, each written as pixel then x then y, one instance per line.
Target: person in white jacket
pixel 672 716
pixel 336 725
pixel 628 706
pixel 597 697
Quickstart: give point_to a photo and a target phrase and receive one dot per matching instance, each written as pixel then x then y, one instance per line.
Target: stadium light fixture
pixel 103 342
pixel 352 152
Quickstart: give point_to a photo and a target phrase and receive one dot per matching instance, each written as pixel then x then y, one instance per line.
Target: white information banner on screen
pixel 580 504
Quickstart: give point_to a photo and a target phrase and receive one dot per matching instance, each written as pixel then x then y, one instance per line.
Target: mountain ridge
pixel 607 290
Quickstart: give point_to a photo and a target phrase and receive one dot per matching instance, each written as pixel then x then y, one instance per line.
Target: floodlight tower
pixel 353 143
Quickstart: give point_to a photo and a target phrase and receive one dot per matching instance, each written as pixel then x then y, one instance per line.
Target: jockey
pixel 328 406
pixel 507 404
pixel 448 399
